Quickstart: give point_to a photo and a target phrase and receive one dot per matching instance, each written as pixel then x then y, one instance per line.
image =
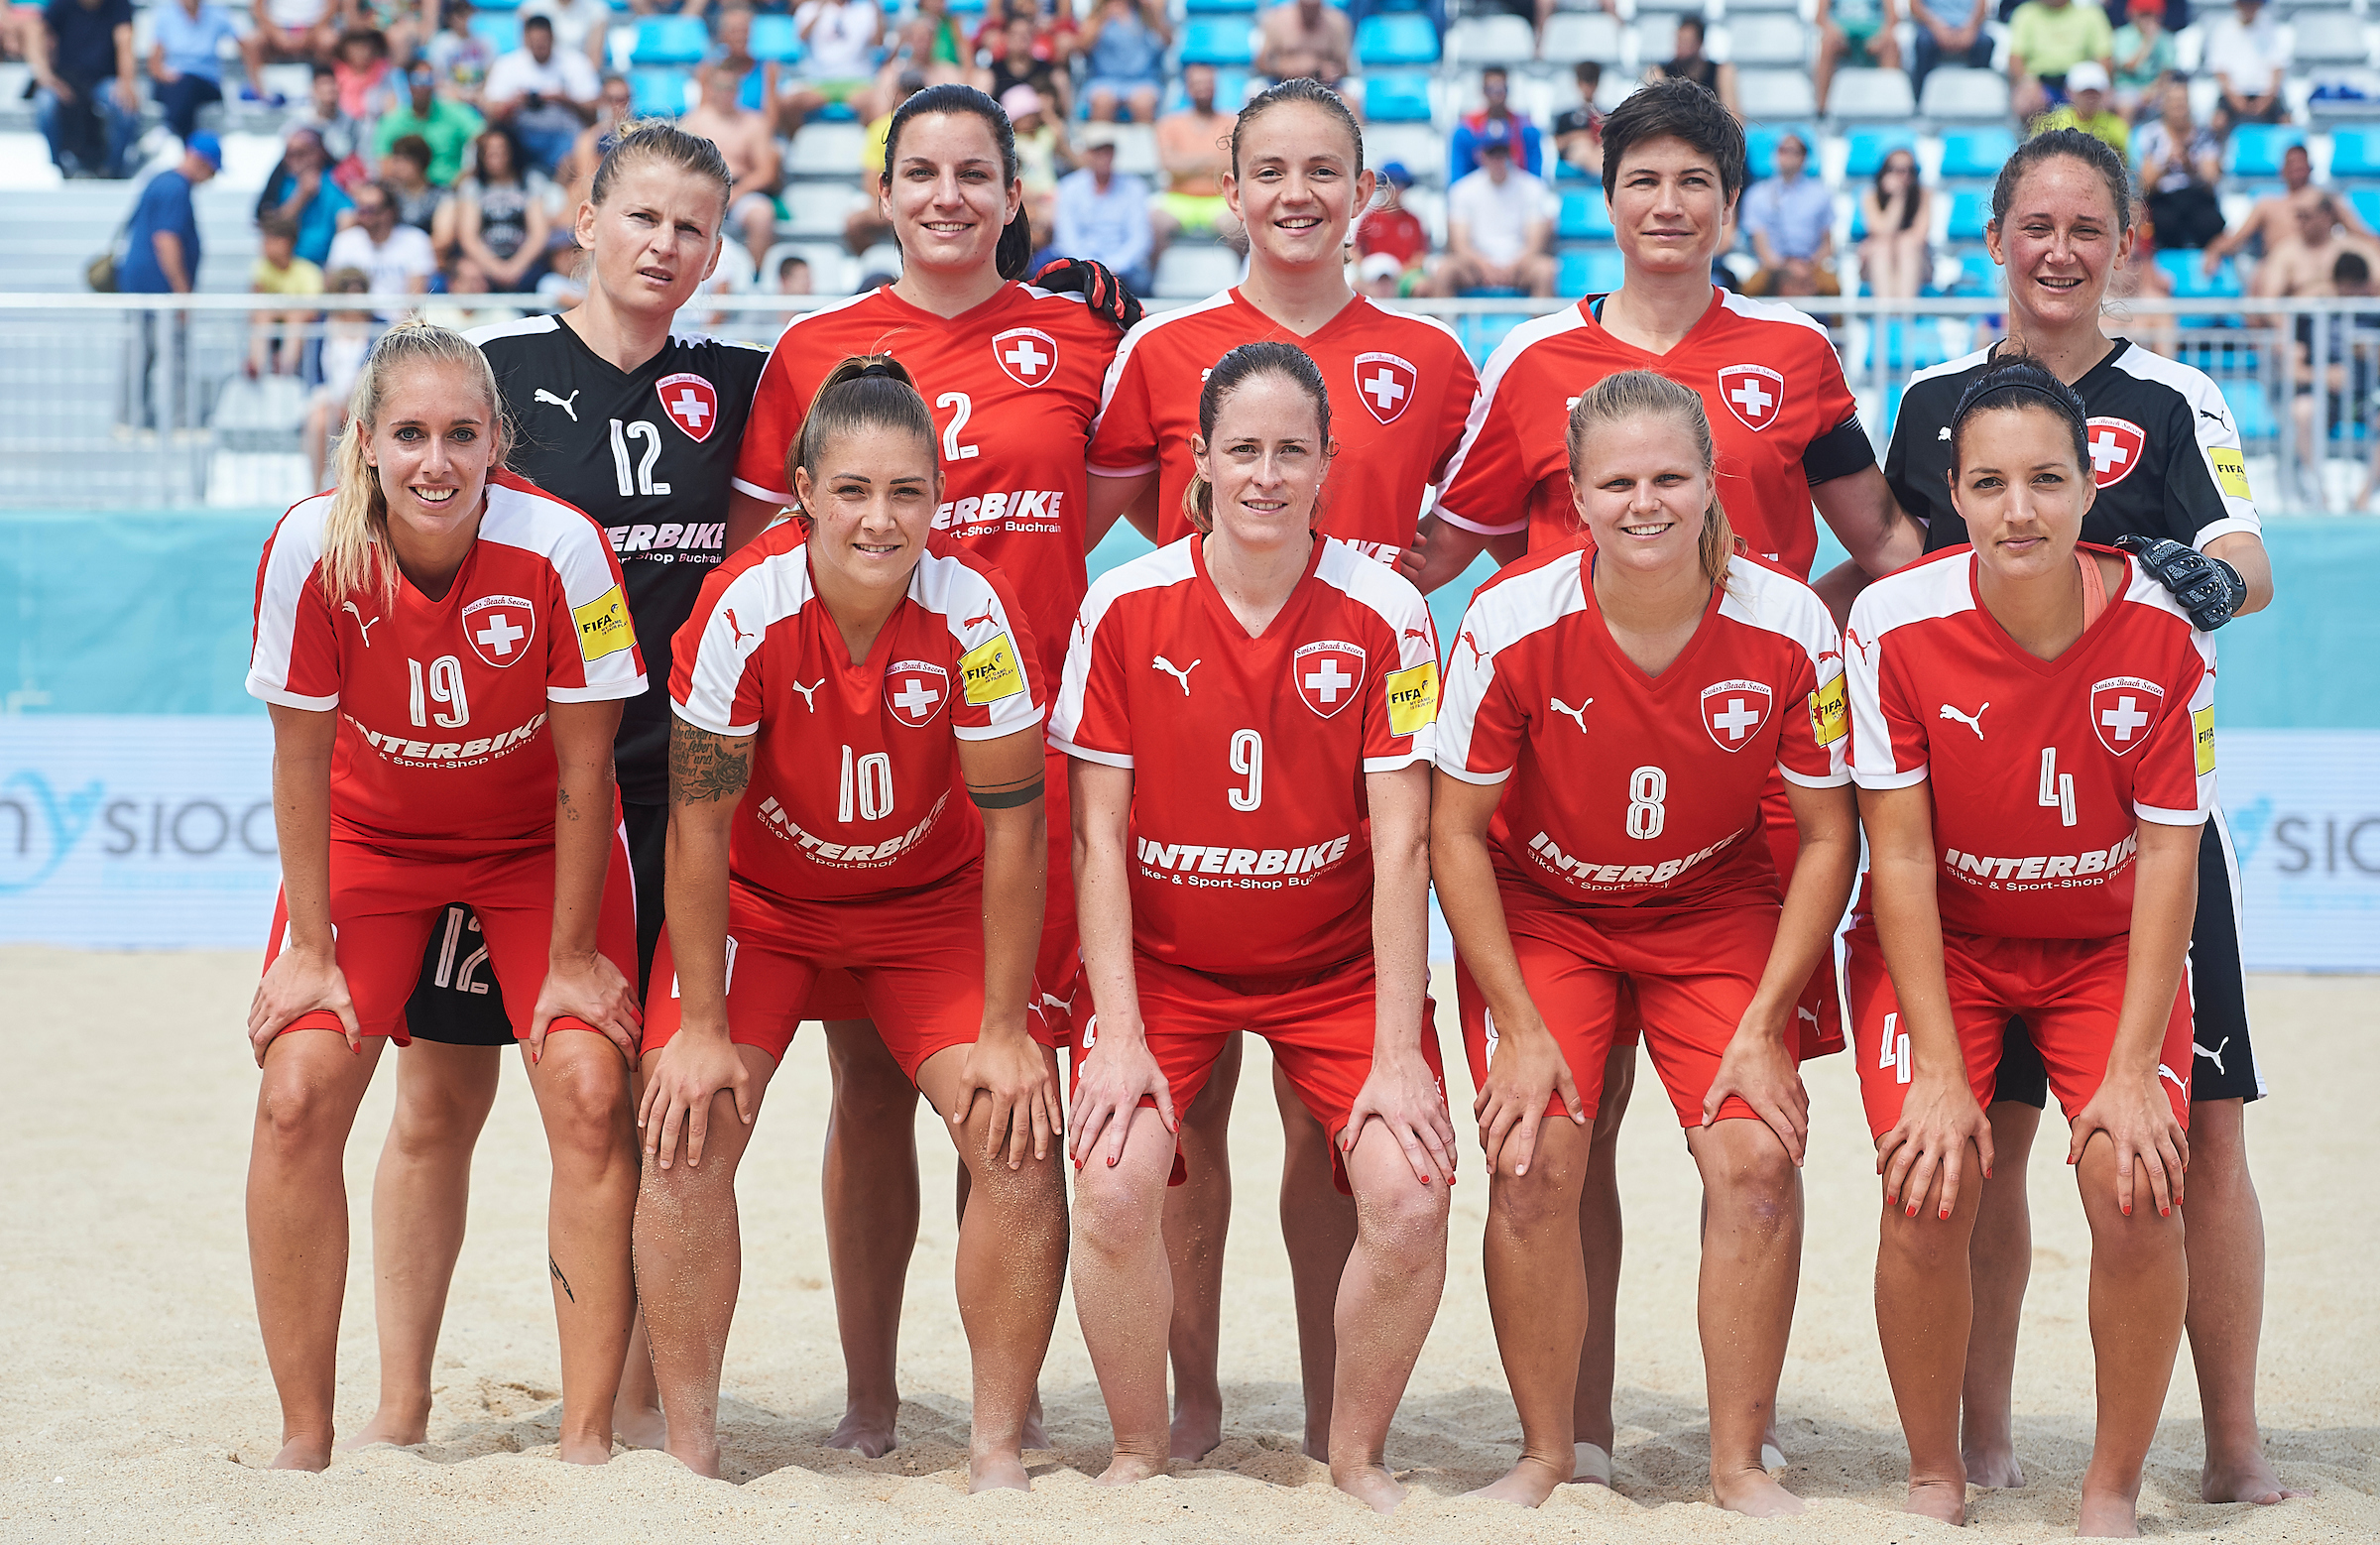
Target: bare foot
pixel 641 1426
pixel 1994 1465
pixel 1125 1469
pixel 2108 1515
pixel 404 1429
pixel 1371 1485
pixel 1003 1472
pixel 1591 1464
pixel 1754 1493
pixel 1197 1429
pixel 1033 1435
pixel 1942 1500
pixel 589 1449
pixel 1529 1482
pixel 870 1432
pixel 701 1459
pixel 304 1454
pixel 2250 1482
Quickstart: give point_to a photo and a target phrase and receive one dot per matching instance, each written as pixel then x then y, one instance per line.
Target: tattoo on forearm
pixel 554 1267
pixel 705 767
pixel 561 796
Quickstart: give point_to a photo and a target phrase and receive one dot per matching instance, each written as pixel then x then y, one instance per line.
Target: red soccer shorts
pixel 1692 975
pixel 1321 1029
pixel 1057 967
pixel 383 907
pixel 916 957
pixel 2069 991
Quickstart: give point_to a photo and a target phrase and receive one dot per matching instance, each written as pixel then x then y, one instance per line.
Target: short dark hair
pixel 2350 269
pixel 1675 109
pixel 537 19
pixel 1701 29
pixel 412 148
pixel 1587 72
pixel 791 262
pixel 1498 70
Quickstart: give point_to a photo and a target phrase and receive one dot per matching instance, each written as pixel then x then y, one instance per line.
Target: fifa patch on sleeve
pixel 603 626
pixel 988 672
pixel 1829 713
pixel 1413 698
pixel 2231 471
pixel 2201 725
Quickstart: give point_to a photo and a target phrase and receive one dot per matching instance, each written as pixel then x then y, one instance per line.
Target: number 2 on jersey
pixel 643 482
pixel 1248 760
pixel 952 450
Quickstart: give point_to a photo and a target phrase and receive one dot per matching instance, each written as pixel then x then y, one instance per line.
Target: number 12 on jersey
pixel 643 482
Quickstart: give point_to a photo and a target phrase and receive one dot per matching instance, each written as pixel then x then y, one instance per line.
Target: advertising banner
pixel 2304 813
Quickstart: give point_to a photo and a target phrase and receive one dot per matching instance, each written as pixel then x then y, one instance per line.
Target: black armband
pixel 2208 589
pixel 1008 800
pixel 1840 453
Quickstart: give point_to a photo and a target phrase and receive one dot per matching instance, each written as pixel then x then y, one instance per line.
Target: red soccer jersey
pixel 1251 829
pixel 855 777
pixel 1769 380
pixel 442 745
pixel 2040 770
pixel 1014 383
pixel 1401 386
pixel 1632 790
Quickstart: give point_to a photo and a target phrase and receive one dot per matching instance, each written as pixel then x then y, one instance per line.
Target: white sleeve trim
pixel 2164 817
pixel 700 722
pixel 609 692
pixel 2229 525
pixel 1401 761
pixel 1483 780
pixel 989 731
pixel 258 686
pixel 756 491
pixel 1452 519
pixel 1906 778
pixel 1832 780
pixel 1105 758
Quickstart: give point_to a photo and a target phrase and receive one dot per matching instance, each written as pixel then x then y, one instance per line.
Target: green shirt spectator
pixel 446 125
pixel 2144 50
pixel 2052 37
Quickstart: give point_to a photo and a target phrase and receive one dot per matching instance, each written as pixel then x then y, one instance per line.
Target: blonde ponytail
pixel 1630 394
pixel 355 534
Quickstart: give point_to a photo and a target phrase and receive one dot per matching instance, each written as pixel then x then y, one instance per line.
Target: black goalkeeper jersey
pixel 649 455
pixel 2163 449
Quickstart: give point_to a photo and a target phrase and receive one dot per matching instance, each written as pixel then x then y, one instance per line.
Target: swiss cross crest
pixel 1327 674
pixel 1734 711
pixel 1754 393
pixel 1385 383
pixel 500 628
pixel 2122 711
pixel 2115 445
pixel 691 403
pixel 1029 355
pixel 915 691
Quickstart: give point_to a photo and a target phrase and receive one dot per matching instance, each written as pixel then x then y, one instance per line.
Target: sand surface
pixel 138 1406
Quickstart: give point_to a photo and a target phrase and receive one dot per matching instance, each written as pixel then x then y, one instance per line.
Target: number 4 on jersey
pixel 2057 789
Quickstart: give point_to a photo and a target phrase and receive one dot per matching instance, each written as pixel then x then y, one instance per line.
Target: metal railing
pixel 147 401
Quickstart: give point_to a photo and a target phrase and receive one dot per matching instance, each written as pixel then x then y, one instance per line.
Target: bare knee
pixel 1926 1245
pixel 298 1116
pixel 585 1106
pixel 1531 1205
pixel 1406 1218
pixel 1760 1188
pixel 1114 1217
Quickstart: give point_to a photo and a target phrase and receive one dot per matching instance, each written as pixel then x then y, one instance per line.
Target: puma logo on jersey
pixel 2215 1056
pixel 361 626
pixel 1804 1014
pixel 2205 413
pixel 1578 715
pixel 562 402
pixel 737 628
pixel 1477 657
pixel 1945 434
pixel 1415 632
pixel 1974 721
pixel 977 622
pixel 809 694
pixel 1180 673
pixel 2180 1082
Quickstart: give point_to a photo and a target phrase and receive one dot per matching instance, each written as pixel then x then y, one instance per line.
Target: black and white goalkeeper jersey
pixel 2163 449
pixel 649 455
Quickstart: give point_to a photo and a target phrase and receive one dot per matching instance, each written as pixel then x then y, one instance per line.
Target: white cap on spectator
pixel 2090 76
pixel 1379 265
pixel 1096 133
pixel 1020 101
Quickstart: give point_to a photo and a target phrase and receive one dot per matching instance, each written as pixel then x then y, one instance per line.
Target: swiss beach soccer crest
pixel 1328 674
pixel 2122 709
pixel 1734 711
pixel 2115 445
pixel 1754 393
pixel 915 691
pixel 691 403
pixel 501 627
pixel 1029 355
pixel 1385 383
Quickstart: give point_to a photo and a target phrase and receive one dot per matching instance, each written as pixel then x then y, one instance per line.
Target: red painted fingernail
pixel 1945 1213
pixel 2127 1212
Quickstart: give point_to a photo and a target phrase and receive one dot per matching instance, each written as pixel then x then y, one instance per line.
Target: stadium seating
pixel 1868 148
pixel 1767 40
pixel 2355 151
pixel 2186 268
pixel 1219 40
pixel 659 91
pixel 1870 96
pixel 1497 39
pixel 1219 7
pixel 2366 203
pixel 498 30
pixel 1955 95
pixel 1397 97
pixel 774 37
pixel 672 39
pixel 1231 93
pixel 1574 35
pixel 1587 271
pixel 1396 40
pixel 1970 211
pixel 2257 149
pixel 2330 37
pixel 1768 96
pixel 1585 217
pixel 1761 146
pixel 1976 153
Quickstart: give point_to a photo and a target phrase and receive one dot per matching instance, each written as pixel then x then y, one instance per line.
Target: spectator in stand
pixel 543 94
pixel 1103 213
pixel 948 47
pixel 439 121
pixel 276 334
pixel 575 176
pixel 2273 221
pixel 346 144
pixel 287 31
pixel 467 281
pixel 1052 23
pixel 183 62
pixel 1124 47
pixel 913 52
pixel 461 56
pixel 793 274
pixel 838 62
pixel 1499 223
pixel 1898 214
pixel 160 257
pixel 753 163
pixel 1519 134
pixel 1194 149
pixel 87 87
pixel 2322 263
pixel 346 343
pixel 2247 54
pixel 1041 142
pixel 2047 39
pixel 405 171
pixel 2180 166
pixel 1855 33
pixel 1018 64
pixel 1940 41
pixel 2085 108
pixel 1692 63
pixel 1579 131
pixel 579 26
pixel 1389 230
pixel 2144 56
pixel 360 66
pixel 397 259
pixel 1789 220
pixel 1304 37
pixel 300 188
pixel 500 215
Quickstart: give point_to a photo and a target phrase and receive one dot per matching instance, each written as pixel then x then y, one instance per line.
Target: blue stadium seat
pixel 1590 271
pixel 498 30
pixel 1977 274
pixel 501 5
pixel 2257 148
pixel 1761 146
pixel 1585 217
pixel 1216 40
pixel 2186 268
pixel 1907 343
pixel 1481 331
pixel 1221 7
pixel 672 39
pixel 1402 39
pixel 1970 213
pixel 967 7
pixel 2367 205
pixel 1400 96
pixel 2251 413
pixel 1869 147
pixel 2355 151
pixel 774 37
pixel 1976 152
pixel 657 91
pixel 1231 93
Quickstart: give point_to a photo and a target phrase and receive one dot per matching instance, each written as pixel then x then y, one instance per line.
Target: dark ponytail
pixel 1016 237
pixel 2012 381
pixel 864 392
pixel 1232 372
